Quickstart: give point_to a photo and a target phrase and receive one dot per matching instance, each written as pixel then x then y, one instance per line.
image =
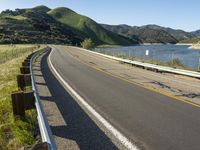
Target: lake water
pixel 165 53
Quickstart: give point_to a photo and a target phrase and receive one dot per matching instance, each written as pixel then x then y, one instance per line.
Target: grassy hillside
pixel 41 8
pixel 35 26
pixel 88 27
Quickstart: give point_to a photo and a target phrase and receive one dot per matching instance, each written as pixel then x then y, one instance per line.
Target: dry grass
pixel 7 48
pixel 9 52
pixel 19 133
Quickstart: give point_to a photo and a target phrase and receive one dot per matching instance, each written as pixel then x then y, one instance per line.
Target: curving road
pixel 151 120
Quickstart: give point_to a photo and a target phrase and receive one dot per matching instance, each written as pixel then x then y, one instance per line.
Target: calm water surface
pixel 188 57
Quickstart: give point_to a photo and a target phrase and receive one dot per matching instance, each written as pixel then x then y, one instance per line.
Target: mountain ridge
pixel 151 33
pixel 62 25
pixel 36 25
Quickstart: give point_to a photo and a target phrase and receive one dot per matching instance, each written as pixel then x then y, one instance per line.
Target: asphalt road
pixel 152 120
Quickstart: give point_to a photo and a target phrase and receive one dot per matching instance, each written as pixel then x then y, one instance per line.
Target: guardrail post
pixel 26 63
pixel 41 146
pixel 29 100
pixel 29 56
pixel 22 101
pixel 27 59
pixel 18 103
pixel 23 80
pixel 25 70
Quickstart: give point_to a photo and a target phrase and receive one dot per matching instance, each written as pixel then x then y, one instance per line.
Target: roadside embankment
pixel 14 133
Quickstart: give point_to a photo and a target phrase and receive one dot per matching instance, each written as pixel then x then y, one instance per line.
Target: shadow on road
pixel 80 128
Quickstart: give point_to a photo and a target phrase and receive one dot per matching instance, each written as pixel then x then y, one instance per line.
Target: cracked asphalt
pixel 181 86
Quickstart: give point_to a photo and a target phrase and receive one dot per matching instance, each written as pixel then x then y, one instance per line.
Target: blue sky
pixel 178 14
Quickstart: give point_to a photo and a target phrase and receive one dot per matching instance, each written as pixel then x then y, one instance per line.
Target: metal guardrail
pixel 45 130
pixel 151 66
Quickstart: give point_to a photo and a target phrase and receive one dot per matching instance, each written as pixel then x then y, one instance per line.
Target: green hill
pixel 89 27
pixel 41 8
pixel 35 26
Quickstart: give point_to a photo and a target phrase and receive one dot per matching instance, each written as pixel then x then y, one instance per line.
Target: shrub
pixel 87 44
pixel 175 62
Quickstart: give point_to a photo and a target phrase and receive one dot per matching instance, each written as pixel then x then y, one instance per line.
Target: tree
pixel 87 44
pixel 7 12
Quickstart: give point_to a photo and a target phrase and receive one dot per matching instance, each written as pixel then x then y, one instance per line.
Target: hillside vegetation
pixel 194 40
pixel 88 27
pixel 34 26
pixel 64 26
pixel 151 33
pixel 58 26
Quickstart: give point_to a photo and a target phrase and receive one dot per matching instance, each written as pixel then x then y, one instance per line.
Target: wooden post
pixel 23 80
pixel 41 146
pixel 26 63
pixel 22 101
pixel 27 60
pixel 29 100
pixel 18 103
pixel 25 70
pixel 29 56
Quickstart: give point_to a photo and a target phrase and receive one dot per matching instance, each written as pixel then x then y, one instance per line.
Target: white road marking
pixel 125 141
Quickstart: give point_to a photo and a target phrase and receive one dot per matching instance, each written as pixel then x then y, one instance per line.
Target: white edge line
pixel 127 143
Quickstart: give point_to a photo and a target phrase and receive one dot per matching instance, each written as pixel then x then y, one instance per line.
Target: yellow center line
pixel 150 74
pixel 140 85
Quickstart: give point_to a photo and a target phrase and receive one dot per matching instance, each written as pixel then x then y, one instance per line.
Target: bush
pixel 87 44
pixel 175 62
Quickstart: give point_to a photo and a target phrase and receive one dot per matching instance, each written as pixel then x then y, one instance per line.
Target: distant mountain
pixel 150 33
pixel 195 39
pixel 191 40
pixel 178 34
pixel 196 33
pixel 89 27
